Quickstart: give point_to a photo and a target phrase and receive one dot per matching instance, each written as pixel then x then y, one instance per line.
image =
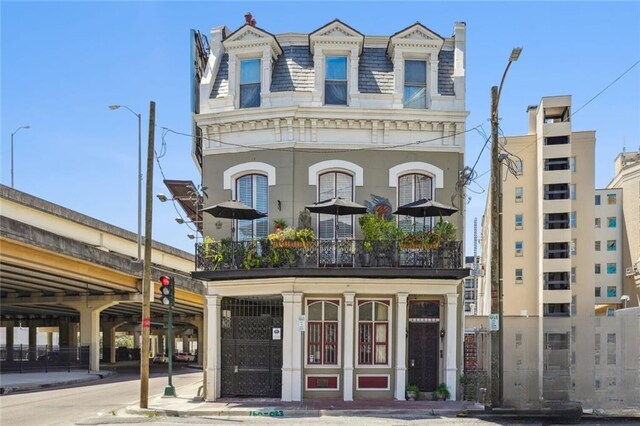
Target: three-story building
pixel 291 119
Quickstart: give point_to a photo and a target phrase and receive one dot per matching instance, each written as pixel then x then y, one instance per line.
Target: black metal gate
pixel 251 356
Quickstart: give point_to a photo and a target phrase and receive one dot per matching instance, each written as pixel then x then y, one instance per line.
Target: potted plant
pixel 445 231
pixel 279 224
pixel 251 257
pixel 413 392
pixel 212 252
pixel 441 393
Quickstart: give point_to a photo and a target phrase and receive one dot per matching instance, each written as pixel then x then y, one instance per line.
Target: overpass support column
pixel 63 330
pixel 109 330
pixel 10 343
pixel 90 326
pixel 197 322
pixel 33 342
pixel 211 364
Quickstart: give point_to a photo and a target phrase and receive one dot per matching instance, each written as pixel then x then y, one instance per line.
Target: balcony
pixel 328 258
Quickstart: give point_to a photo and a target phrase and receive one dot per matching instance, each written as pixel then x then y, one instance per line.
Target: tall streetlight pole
pixel 25 126
pixel 114 107
pixel 496 396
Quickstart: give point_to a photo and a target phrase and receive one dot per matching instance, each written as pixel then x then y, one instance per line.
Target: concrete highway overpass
pixel 62 269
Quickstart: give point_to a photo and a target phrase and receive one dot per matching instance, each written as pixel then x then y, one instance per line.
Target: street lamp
pixel 24 126
pixel 495 377
pixel 113 108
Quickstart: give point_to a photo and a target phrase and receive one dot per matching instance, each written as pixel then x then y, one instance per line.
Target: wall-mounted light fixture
pixel 442 333
pixel 219 224
pixel 279 205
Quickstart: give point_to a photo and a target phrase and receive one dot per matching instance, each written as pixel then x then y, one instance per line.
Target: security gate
pixel 423 353
pixel 252 346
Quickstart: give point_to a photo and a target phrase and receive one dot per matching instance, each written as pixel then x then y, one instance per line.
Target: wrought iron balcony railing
pixel 228 255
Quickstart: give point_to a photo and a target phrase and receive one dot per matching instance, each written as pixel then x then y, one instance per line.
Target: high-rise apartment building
pixel 547 257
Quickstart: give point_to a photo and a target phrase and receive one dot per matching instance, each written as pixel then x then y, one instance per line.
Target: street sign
pixel 494 322
pixel 302 319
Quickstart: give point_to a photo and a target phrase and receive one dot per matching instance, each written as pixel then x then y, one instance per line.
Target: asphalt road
pixel 68 406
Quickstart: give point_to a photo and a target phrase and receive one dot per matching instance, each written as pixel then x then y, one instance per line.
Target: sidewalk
pixel 188 402
pixel 25 382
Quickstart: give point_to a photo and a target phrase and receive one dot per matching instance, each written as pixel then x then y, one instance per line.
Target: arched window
pixel 335 184
pixel 253 190
pixel 413 187
pixel 322 332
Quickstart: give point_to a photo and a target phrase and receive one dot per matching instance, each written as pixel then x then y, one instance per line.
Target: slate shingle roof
pixel 375 73
pixel 221 85
pixel 293 72
pixel 445 72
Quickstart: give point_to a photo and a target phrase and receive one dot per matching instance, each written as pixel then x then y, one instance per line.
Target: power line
pixel 603 90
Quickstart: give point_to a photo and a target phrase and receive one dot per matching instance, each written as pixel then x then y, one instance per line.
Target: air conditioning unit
pixel 629 272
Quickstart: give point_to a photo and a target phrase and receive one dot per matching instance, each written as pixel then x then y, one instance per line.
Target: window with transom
pixel 322 332
pixel 253 190
pixel 249 83
pixel 335 184
pixel 335 80
pixel 373 332
pixel 415 84
pixel 414 187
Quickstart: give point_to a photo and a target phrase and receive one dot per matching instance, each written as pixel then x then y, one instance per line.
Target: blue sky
pixel 63 63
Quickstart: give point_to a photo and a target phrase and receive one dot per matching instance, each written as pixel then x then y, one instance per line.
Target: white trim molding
pixel 416 167
pixel 232 173
pixel 329 165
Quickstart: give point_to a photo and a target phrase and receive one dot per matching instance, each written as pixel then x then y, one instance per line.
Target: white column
pixel 288 323
pixel 90 327
pixel 296 348
pixel 401 346
pixel 211 365
pixel 451 338
pixel 349 327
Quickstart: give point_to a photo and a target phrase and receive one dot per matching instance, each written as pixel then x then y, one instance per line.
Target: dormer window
pixel 249 83
pixel 415 84
pixel 335 83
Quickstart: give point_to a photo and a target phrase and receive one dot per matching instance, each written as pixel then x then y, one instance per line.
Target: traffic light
pixel 167 290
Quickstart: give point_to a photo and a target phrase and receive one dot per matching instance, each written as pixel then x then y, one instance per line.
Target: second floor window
pixel 415 84
pixel 253 191
pixel 335 184
pixel 414 187
pixel 335 82
pixel 249 83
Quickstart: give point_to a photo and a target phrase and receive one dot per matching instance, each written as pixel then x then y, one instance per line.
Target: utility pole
pixel 495 378
pixel 497 366
pixel 146 274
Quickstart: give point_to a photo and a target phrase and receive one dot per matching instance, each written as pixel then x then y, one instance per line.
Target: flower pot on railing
pixel 421 246
pixel 291 244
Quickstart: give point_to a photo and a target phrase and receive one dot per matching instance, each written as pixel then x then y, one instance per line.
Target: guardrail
pixel 347 253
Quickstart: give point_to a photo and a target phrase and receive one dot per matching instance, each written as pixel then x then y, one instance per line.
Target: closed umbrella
pixel 234 210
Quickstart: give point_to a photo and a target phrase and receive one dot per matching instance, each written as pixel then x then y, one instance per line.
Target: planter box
pixel 421 246
pixel 292 244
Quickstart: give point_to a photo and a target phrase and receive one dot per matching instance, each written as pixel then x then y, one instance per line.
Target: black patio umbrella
pixel 337 206
pixel 425 208
pixel 233 210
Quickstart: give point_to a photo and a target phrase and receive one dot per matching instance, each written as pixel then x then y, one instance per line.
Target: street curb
pixel 265 412
pixel 27 387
